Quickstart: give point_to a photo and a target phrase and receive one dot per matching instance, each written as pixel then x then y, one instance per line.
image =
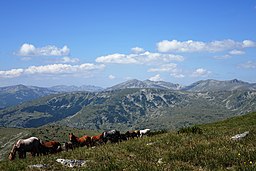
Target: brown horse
pixel 22 146
pixel 80 142
pixel 50 147
pixel 97 140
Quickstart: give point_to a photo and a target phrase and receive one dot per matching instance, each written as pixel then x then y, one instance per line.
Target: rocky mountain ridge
pixel 130 109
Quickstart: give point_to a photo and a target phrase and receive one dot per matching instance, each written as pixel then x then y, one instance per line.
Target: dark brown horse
pixel 50 147
pixel 97 140
pixel 80 142
pixel 113 136
pixel 22 146
pixel 68 145
pixel 132 134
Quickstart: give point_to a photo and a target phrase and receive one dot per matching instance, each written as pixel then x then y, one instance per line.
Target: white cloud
pixel 164 68
pixel 68 60
pixel 111 77
pixel 11 73
pixel 53 69
pixel 49 50
pixel 156 78
pixel 170 68
pixel 141 58
pixel 248 43
pixel 199 46
pixel 116 58
pixel 248 65
pixel 236 52
pixel 200 72
pixel 137 50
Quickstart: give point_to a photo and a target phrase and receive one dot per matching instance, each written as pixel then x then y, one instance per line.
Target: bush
pixel 193 129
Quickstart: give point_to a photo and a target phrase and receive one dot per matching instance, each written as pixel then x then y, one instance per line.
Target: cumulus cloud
pixel 116 58
pixel 248 43
pixel 236 52
pixel 11 73
pixel 199 46
pixel 201 72
pixel 156 78
pixel 137 50
pixel 49 50
pixel 52 69
pixel 111 77
pixel 141 58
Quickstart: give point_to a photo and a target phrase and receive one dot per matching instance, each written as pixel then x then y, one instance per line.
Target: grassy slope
pixel 212 150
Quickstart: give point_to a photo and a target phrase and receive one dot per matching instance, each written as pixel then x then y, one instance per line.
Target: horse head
pixel 12 154
pixel 73 138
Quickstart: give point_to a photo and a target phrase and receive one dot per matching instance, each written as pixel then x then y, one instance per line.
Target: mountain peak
pixel 215 85
pixel 134 83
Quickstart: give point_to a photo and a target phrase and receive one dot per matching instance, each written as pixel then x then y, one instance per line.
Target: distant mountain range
pixel 145 84
pixel 133 104
pixel 64 88
pixel 13 95
pixel 199 86
pixel 131 108
pixel 215 85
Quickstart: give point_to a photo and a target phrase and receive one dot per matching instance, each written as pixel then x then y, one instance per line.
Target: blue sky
pixel 46 43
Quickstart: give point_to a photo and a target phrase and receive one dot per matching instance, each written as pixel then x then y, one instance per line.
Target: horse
pixel 80 142
pixel 22 146
pixel 123 137
pixel 50 147
pixel 68 145
pixel 113 136
pixel 132 134
pixel 144 132
pixel 97 139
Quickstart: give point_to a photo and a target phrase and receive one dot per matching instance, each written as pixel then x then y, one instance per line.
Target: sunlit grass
pixel 211 150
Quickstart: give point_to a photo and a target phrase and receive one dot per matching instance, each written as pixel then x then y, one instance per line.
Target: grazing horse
pixel 80 142
pixel 97 139
pixel 144 132
pixel 123 137
pixel 68 145
pixel 132 134
pixel 50 147
pixel 113 136
pixel 22 146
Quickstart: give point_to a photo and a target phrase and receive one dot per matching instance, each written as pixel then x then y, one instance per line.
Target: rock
pixel 71 163
pixel 240 136
pixel 160 161
pixel 38 166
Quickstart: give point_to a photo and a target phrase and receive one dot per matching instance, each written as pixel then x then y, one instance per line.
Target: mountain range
pixel 130 105
pixel 13 95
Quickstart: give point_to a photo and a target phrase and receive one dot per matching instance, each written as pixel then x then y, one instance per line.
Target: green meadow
pixel 211 148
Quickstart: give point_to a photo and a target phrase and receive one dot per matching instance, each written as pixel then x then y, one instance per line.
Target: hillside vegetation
pixel 130 109
pixel 211 150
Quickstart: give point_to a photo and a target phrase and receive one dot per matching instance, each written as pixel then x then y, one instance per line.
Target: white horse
pixel 144 132
pixel 31 144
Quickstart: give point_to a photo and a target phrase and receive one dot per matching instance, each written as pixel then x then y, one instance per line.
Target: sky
pixel 105 42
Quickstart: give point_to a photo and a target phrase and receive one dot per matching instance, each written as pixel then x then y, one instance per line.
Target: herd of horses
pixel 38 147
